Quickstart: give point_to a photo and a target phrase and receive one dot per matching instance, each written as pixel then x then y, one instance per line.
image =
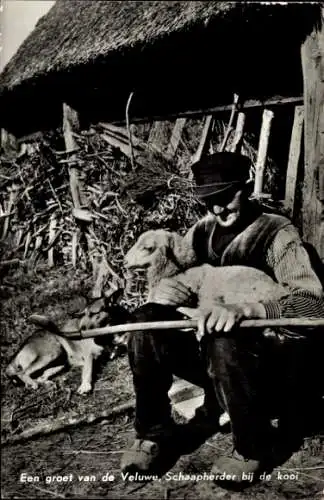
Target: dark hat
pixel 220 175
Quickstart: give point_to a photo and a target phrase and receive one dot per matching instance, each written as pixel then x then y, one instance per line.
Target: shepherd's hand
pixel 172 292
pixel 222 318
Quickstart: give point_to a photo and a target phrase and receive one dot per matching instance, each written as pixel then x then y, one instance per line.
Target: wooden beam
pixel 118 144
pixel 9 143
pixel 205 136
pixel 312 58
pixel 199 113
pixel 158 134
pixel 262 151
pixel 121 134
pixel 294 160
pixel 176 136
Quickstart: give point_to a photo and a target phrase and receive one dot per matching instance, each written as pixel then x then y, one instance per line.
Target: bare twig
pixel 311 477
pixel 317 467
pixel 15 495
pixel 27 243
pixel 55 195
pixel 120 207
pixel 139 487
pixel 47 491
pixel 167 492
pixel 51 240
pixel 12 262
pixel 64 423
pixel 129 130
pixel 90 452
pixel 7 214
pixel 214 447
pixel 230 123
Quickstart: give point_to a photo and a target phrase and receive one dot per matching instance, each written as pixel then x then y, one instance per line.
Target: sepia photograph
pixel 162 249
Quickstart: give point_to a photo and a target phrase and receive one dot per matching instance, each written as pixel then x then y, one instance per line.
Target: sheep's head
pixel 146 249
pixel 155 250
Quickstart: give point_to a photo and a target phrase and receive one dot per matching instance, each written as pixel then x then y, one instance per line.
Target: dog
pixel 45 354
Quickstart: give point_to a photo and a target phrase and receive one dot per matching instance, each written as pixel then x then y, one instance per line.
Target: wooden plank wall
pixel 312 56
pixel 294 161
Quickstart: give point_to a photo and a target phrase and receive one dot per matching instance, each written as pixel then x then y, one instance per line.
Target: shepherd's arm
pixel 291 265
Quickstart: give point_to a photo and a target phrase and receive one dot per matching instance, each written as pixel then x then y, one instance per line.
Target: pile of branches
pixel 121 203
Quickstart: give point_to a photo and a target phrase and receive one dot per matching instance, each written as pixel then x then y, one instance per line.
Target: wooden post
pixel 293 160
pixel 101 270
pixel 51 236
pixel 9 144
pixel 262 151
pixel 70 123
pixel 176 136
pixel 238 136
pixel 27 244
pixel 13 193
pixel 74 248
pixel 312 58
pixel 321 248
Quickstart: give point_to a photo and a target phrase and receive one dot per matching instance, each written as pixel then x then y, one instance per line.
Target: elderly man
pixel 238 369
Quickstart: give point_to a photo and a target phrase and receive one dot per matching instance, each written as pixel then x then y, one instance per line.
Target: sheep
pixel 161 252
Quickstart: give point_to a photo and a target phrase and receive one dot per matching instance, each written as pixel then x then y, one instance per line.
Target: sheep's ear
pixel 174 240
pixel 183 251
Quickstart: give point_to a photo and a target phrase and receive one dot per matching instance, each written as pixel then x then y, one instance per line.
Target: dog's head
pixel 103 311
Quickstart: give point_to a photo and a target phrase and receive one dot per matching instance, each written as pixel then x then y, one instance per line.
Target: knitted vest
pixel 248 248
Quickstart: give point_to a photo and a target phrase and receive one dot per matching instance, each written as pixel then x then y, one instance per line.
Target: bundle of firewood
pixel 40 222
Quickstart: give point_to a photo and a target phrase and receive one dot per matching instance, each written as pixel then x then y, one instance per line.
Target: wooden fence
pixel 118 136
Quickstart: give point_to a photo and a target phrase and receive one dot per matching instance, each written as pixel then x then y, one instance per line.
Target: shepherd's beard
pixel 230 219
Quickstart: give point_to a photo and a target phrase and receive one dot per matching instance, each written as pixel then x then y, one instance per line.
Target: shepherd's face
pixel 228 215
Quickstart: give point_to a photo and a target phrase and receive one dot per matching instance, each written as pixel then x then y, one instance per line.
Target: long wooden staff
pixel 46 323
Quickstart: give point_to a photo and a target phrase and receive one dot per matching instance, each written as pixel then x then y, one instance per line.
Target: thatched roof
pixel 78 38
pixel 75 32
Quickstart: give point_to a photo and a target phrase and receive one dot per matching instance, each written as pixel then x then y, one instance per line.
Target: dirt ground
pixel 83 462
